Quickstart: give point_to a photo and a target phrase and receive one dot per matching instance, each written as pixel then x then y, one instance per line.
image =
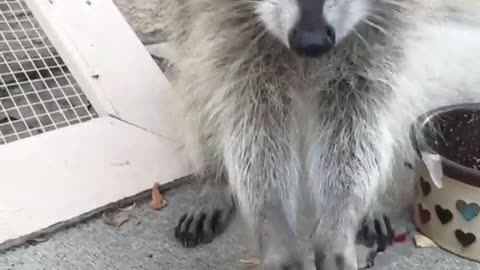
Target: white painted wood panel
pixel 62 174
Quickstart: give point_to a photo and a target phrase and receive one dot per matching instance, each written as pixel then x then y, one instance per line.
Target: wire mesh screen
pixel 37 91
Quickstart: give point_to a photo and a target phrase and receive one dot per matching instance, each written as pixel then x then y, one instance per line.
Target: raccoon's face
pixel 311 27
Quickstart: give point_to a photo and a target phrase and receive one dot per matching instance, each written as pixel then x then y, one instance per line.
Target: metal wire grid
pixel 37 91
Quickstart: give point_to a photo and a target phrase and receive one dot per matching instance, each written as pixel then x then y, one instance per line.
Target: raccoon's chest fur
pixel 344 93
pixel 339 85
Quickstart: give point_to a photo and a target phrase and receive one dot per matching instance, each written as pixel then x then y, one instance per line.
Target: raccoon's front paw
pixel 334 249
pixel 376 233
pixel 283 258
pixel 337 261
pixel 207 219
pixel 283 265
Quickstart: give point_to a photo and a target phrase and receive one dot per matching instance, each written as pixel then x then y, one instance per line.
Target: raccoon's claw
pixel 385 233
pixel 200 228
pixel 370 261
pixel 189 230
pixel 377 234
pixel 208 218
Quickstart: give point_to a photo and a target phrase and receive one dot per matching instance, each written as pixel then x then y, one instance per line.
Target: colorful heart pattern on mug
pixel 469 211
pixel 465 239
pixel 425 186
pixel 443 214
pixel 423 214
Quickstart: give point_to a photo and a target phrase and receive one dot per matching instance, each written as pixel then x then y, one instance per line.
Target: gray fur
pixel 336 125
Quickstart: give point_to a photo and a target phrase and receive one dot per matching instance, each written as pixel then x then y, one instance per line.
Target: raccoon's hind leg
pixel 210 214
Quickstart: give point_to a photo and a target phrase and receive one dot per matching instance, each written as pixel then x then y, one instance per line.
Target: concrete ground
pixel 146 241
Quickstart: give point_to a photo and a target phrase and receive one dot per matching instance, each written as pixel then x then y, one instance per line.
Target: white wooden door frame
pixel 59 175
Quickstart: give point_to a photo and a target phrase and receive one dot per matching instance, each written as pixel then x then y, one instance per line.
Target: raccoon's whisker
pixel 378 27
pixel 396 3
pixel 256 38
pixel 378 17
pixel 367 45
pixel 254 2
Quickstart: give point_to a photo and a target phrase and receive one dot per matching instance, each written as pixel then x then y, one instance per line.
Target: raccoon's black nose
pixel 312 43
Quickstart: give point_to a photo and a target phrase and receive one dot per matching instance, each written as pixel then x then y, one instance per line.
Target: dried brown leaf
pixel 422 241
pixel 128 208
pixel 39 239
pixel 158 201
pixel 115 219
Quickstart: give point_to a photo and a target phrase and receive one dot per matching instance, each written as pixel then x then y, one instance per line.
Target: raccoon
pixel 280 97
